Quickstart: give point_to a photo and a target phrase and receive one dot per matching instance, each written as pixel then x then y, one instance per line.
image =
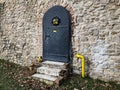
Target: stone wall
pixel 1 31
pixel 95 28
pixel 20 36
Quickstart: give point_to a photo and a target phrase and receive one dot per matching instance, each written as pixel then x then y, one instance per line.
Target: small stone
pixel 2 1
pixel 116 27
pixel 81 4
pixel 95 32
pixel 111 1
pixel 114 17
pixel 88 3
pixel 112 7
pixel 76 89
pixel 83 39
pixel 117 12
pixel 104 1
pixel 114 32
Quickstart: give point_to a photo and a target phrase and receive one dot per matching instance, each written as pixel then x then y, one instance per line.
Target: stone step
pixel 52 64
pixel 46 77
pixel 52 72
pixel 49 71
pixel 50 80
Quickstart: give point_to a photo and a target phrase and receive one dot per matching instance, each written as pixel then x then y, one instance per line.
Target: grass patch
pixel 7 73
pixel 87 84
pixel 15 77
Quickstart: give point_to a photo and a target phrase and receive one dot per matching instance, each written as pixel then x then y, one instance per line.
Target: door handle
pixel 47 36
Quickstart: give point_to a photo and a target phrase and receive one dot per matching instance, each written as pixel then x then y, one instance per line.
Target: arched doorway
pixel 57 35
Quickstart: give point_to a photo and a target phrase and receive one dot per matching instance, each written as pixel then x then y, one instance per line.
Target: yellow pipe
pixel 83 63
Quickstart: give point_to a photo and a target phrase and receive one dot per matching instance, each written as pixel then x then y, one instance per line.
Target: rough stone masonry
pixel 95 33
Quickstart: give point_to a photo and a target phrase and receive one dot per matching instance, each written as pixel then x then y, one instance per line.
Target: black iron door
pixel 56 35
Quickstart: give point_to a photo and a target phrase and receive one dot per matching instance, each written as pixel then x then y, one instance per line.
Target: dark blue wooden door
pixel 56 34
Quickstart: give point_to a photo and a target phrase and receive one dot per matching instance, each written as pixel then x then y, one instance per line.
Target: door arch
pixel 57 35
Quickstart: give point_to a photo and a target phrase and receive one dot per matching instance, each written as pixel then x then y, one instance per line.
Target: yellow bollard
pixel 83 64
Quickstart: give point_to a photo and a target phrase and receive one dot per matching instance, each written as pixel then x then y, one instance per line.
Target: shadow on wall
pixel 87 66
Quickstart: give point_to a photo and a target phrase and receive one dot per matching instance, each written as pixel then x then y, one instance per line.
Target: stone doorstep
pixel 50 80
pixel 53 63
pixel 57 65
pixel 49 71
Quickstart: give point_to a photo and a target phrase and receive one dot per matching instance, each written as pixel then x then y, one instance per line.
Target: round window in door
pixel 55 21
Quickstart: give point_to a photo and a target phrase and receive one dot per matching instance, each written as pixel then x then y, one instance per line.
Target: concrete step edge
pixel 49 71
pixel 44 77
pixel 53 63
